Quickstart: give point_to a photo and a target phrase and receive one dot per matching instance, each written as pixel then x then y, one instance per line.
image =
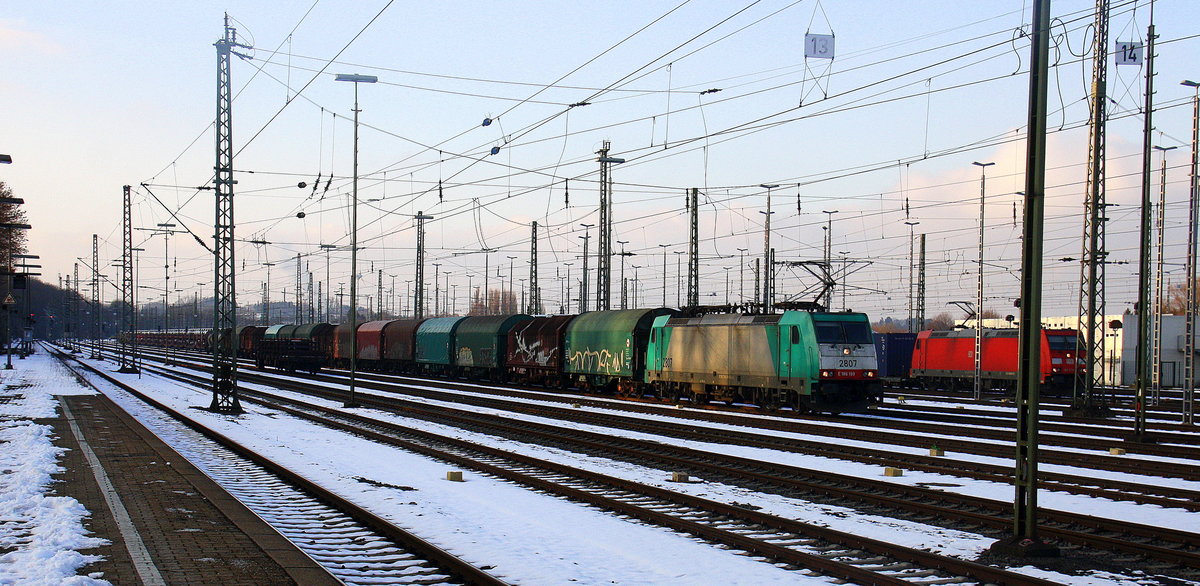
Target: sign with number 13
pixel 818 46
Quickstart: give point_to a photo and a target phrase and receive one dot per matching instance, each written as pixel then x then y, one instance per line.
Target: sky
pixel 884 133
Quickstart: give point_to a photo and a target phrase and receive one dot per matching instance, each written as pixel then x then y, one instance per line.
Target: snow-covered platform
pixel 89 495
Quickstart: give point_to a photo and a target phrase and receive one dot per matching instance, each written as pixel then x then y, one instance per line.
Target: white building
pixel 1120 346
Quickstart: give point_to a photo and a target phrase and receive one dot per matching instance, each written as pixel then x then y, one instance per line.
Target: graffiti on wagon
pixel 597 361
pixel 533 352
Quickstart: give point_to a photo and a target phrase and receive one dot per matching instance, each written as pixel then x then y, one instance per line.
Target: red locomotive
pixel 946 359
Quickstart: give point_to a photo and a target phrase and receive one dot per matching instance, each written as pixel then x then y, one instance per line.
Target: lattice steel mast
pixel 1189 332
pixel 1091 277
pixel 920 312
pixel 224 372
pixel 604 250
pixel 535 292
pixel 95 355
pixel 128 312
pixel 693 292
pixel 299 293
pixel 379 293
pixel 419 295
pixel 75 312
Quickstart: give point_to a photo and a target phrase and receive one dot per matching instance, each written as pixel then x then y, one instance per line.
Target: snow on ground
pixel 532 538
pixel 1124 510
pixel 527 537
pixel 42 535
pixel 860 423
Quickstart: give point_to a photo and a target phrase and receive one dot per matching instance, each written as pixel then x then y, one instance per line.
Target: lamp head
pixel 356 78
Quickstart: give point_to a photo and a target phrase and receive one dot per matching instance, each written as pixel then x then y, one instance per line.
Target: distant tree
pixel 887 326
pixel 941 321
pixel 11 241
pixel 1175 300
pixel 498 302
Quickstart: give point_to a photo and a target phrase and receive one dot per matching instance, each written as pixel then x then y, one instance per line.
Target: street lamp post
pixel 829 249
pixel 166 231
pixel 1159 291
pixel 328 294
pixel 437 288
pixel 636 282
pixel 583 295
pixel 664 279
pixel 679 278
pixel 566 296
pixel 742 275
pixel 624 286
pixel 267 295
pixel 912 282
pixel 355 79
pixel 510 276
pixel 726 284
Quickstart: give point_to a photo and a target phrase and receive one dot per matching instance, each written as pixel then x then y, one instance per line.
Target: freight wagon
pixel 805 361
pixel 894 353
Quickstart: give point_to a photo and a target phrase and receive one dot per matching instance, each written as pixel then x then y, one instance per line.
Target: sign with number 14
pixel 1129 53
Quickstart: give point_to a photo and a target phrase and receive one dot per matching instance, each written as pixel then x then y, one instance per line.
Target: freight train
pixel 805 361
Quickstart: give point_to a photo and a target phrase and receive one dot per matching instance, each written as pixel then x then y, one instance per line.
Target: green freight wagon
pixel 435 343
pixel 272 332
pixel 319 334
pixel 606 349
pixel 481 343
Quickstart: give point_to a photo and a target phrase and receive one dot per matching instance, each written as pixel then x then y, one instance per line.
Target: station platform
pixel 164 520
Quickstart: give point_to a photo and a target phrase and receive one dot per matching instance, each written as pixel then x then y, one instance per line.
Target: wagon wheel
pixel 769 404
pixel 797 404
pixel 627 389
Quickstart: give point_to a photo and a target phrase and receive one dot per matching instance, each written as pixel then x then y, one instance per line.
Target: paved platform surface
pixel 190 530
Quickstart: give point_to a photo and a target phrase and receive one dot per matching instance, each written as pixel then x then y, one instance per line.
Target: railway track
pixel 776 539
pixel 1150 547
pixel 1119 402
pixel 1139 492
pixel 354 545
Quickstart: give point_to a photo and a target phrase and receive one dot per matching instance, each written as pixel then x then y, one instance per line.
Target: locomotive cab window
pixel 1061 342
pixel 795 335
pixel 843 333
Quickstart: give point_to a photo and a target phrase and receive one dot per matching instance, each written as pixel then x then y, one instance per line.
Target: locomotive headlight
pixel 870 374
pixel 846 350
pixel 826 374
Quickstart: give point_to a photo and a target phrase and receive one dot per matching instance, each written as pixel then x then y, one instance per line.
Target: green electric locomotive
pixel 808 361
